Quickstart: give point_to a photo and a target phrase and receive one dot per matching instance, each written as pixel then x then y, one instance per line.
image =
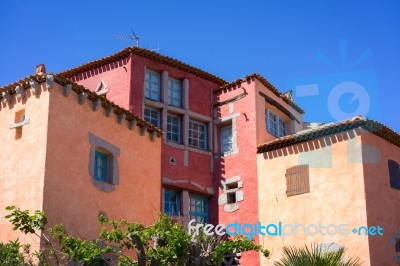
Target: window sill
pixel 103 186
pixel 174 144
pixel 206 152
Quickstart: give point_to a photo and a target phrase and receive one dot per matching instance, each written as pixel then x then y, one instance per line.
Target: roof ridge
pixel 377 128
pixel 263 81
pixel 144 53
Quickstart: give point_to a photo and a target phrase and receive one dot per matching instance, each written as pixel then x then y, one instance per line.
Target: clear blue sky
pixel 291 43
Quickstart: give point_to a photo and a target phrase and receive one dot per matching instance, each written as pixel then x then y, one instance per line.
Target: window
pixel 197 135
pixel 152 85
pixel 226 139
pixel 275 125
pixel 174 92
pixel 19 117
pixel 394 173
pixel 103 163
pixel 100 171
pixel 152 116
pixel 198 209
pixel 397 245
pixel 231 198
pixel 171 202
pixel 173 128
pixel 297 180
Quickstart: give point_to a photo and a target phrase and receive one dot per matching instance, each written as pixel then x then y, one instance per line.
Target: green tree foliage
pixel 315 256
pixel 161 244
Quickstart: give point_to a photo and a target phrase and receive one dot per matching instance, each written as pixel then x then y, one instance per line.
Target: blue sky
pixel 338 57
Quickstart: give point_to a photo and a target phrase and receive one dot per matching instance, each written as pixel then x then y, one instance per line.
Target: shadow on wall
pixel 323 143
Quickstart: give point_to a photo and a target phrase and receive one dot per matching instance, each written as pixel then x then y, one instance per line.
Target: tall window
pixel 152 85
pixel 100 172
pixel 152 116
pixel 297 180
pixel 198 209
pixel 226 139
pixel 275 125
pixel 197 135
pixel 173 128
pixel 174 92
pixel 171 202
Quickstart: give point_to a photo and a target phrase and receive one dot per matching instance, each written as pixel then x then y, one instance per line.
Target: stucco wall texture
pixel 22 160
pixel 349 187
pixel 50 166
pixel 135 198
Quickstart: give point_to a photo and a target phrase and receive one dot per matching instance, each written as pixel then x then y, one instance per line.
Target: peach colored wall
pixel 115 75
pixel 337 194
pixel 22 161
pixel 383 202
pixel 69 195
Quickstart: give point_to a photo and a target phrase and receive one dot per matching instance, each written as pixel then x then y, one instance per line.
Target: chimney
pixel 40 69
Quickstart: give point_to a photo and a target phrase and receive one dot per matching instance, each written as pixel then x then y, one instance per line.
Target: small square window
pixel 231 198
pixel 232 185
pixel 226 139
pixel 152 115
pixel 172 202
pixel 197 135
pixel 152 86
pixel 101 161
pixel 174 128
pixel 174 92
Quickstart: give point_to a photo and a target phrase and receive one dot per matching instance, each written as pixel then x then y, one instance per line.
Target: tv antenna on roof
pixel 127 37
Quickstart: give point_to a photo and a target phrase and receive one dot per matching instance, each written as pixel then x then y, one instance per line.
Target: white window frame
pixel 198 139
pixel 151 118
pixel 170 125
pixel 226 136
pixel 152 85
pixel 174 92
pixel 275 125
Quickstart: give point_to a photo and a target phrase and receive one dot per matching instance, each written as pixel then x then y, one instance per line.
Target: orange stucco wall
pixel 337 194
pixel 22 164
pixel 70 196
pixel 382 201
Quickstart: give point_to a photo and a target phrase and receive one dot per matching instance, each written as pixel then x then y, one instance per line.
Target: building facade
pixel 74 155
pixel 336 184
pixel 230 152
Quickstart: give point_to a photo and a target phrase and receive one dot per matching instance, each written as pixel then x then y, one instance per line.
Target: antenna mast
pixel 127 37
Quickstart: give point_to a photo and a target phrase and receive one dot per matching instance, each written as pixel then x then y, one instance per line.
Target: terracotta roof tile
pixel 10 88
pixel 263 81
pixel 372 126
pixel 145 53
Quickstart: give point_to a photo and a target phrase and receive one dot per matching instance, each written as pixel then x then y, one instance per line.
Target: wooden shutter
pixel 394 173
pixel 297 180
